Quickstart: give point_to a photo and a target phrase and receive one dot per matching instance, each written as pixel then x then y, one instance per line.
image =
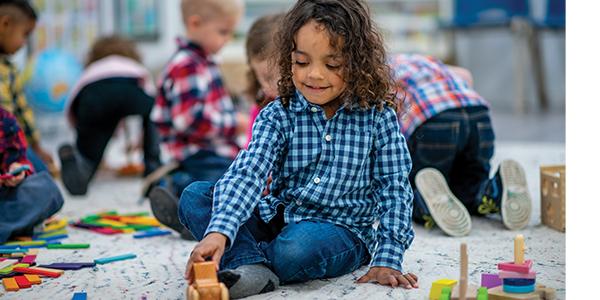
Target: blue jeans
pixel 202 166
pixel 38 164
pixel 459 143
pixel 295 252
pixel 27 205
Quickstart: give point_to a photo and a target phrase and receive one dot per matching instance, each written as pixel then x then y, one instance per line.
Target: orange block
pixel 10 284
pixel 35 279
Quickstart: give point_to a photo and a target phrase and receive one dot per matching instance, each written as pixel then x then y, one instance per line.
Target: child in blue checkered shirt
pixel 337 159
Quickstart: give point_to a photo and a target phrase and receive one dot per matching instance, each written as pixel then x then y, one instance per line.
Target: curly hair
pixel 112 45
pixel 260 46
pixel 355 36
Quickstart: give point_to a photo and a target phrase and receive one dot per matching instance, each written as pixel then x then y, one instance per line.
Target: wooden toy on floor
pixel 464 290
pixel 552 189
pixel 205 285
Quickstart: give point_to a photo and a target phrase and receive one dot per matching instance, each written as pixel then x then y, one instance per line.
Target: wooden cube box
pixel 552 189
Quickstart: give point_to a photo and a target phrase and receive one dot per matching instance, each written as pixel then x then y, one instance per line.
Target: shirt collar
pixel 184 43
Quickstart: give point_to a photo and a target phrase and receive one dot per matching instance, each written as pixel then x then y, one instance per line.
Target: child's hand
pixel 16 179
pixel 267 190
pixel 213 245
pixel 391 277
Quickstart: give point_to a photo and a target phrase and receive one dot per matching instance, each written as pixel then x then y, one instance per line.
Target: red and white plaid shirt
pixel 193 111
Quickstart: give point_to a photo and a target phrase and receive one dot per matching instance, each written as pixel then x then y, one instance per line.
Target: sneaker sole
pixel 70 175
pixel 447 211
pixel 516 200
pixel 163 205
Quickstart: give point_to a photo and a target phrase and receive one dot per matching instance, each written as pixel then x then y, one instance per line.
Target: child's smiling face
pixel 316 65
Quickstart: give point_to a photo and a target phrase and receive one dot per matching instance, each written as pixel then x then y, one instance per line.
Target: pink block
pixel 490 280
pixel 511 266
pixel 2 258
pixel 28 259
pixel 509 274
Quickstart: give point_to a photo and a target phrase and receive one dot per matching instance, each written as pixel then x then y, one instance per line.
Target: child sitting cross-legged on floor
pixel 338 162
pixel 27 198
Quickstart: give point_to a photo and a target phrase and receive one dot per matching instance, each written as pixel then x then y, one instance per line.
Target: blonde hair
pixel 208 9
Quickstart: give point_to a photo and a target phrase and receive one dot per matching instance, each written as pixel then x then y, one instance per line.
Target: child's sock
pixel 248 280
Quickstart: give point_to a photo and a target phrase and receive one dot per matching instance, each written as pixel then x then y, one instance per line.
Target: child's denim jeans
pixel 459 143
pixel 27 205
pixel 296 252
pixel 202 166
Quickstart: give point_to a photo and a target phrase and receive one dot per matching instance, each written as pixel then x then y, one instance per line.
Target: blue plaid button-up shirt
pixel 350 170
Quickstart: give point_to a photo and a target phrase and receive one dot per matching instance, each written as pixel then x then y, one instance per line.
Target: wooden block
pixel 552 189
pixel 56 225
pixel 27 243
pixel 436 287
pixel 34 279
pixel 498 294
pixel 525 267
pixel 471 293
pixel 20 265
pixel 114 258
pixel 490 280
pixel 509 274
pixel 68 246
pixel 22 281
pixel 10 284
pixel 519 249
pixel 205 272
pixel 208 291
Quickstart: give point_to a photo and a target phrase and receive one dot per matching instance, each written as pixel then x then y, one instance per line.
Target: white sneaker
pixel 516 200
pixel 447 211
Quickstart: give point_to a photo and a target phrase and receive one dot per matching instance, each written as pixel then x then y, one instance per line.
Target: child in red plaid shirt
pixel 26 198
pixel 193 112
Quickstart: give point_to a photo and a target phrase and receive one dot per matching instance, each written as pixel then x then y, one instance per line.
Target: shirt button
pixel 317 180
pixel 313 109
pixel 328 138
pixel 298 202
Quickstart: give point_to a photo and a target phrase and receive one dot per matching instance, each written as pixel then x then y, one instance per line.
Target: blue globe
pixel 53 74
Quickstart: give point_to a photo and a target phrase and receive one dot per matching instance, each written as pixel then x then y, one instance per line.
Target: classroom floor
pixel 157 272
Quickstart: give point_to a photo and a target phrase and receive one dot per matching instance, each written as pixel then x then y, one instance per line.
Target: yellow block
pixel 56 225
pixel 10 284
pixel 35 279
pixel 436 287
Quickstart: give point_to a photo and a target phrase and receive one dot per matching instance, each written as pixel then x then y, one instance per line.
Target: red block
pixel 106 230
pixel 37 272
pixel 525 267
pixel 23 282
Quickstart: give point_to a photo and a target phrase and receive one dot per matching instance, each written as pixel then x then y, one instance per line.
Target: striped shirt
pixel 193 111
pixel 431 88
pixel 349 170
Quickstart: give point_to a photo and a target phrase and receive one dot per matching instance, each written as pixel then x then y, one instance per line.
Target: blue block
pixel 9 246
pixel 518 289
pixel 79 296
pixel 114 258
pixel 151 233
pixel 518 281
pixel 54 237
pixel 10 251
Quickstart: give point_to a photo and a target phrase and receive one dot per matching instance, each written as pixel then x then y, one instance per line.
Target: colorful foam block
pixel 7 263
pixel 23 282
pixel 37 272
pixel 28 259
pixel 53 237
pixel 518 281
pixel 79 296
pixel 518 289
pixel 521 268
pixel 114 258
pixel 151 233
pixel 34 279
pixel 11 251
pixel 27 243
pixel 10 284
pixel 509 274
pixel 68 266
pixel 490 280
pixel 68 246
pixel 50 234
pixel 49 270
pixel 438 285
pixel 55 225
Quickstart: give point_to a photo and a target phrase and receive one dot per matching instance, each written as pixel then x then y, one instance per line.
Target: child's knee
pixel 293 257
pixel 195 196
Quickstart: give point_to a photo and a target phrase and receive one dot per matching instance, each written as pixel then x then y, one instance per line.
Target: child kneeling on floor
pixel 451 141
pixel 338 161
pixel 26 198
